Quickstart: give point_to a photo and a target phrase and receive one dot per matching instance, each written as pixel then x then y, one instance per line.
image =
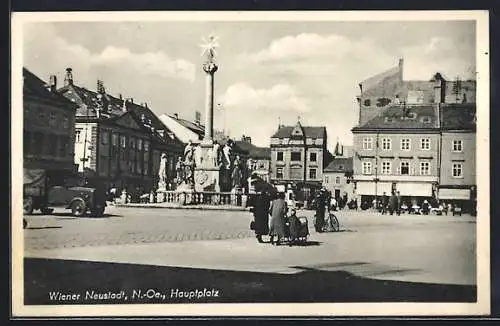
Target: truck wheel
pixel 28 205
pixel 78 208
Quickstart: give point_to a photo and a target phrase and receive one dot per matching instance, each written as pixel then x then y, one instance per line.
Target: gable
pixel 128 121
pixel 297 131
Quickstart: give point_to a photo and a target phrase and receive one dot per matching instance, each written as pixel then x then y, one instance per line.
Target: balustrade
pixel 202 198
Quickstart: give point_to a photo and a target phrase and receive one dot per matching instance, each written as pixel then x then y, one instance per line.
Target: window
pixel 64 146
pixel 367 168
pixel 386 167
pixel 53 145
pixel 425 168
pixel 296 156
pixel 386 144
pixel 367 102
pixel 65 123
pixel 114 139
pixel 279 156
pixel 458 146
pixel 337 180
pixel 425 144
pixel 312 157
pixel 104 137
pixel 405 168
pixel 326 179
pixel 78 135
pixel 457 170
pixel 132 143
pixel 368 143
pixel 53 119
pixel 146 146
pixel 312 173
pixel 279 173
pixel 41 116
pixel 123 141
pixel 405 144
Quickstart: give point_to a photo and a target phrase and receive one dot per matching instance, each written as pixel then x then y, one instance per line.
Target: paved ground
pixel 374 258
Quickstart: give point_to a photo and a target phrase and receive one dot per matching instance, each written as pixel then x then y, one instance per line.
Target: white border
pixel 482 307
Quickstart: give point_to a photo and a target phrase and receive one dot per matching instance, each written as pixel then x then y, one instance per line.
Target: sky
pixel 269 72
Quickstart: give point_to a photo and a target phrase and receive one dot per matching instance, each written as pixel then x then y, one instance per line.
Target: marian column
pixel 207 174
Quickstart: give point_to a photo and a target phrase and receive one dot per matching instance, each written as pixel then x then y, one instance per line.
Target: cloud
pixel 307 46
pixel 54 50
pixel 280 97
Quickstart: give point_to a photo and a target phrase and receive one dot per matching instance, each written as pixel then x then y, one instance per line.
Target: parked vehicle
pixel 39 194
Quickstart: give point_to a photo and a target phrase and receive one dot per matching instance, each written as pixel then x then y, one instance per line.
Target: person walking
pixel 385 202
pixel 261 215
pixel 278 212
pixel 399 203
pixel 393 203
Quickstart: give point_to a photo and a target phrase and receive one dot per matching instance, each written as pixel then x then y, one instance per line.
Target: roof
pixel 34 86
pixel 340 164
pixel 403 117
pixel 458 116
pixel 88 102
pixel 309 132
pixel 254 152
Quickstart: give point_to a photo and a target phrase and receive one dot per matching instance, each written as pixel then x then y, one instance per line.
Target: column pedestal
pixel 206 176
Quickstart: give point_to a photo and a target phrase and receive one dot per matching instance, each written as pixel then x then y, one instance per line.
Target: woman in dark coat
pixel 261 215
pixel 278 212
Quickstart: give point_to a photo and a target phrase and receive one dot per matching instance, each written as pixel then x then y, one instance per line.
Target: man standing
pixel 399 203
pixel 393 203
pixel 385 202
pixel 261 214
pixel 278 212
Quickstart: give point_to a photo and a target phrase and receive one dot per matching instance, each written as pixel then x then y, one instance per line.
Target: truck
pixel 40 194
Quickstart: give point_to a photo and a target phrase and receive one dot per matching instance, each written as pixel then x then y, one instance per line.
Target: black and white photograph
pixel 248 164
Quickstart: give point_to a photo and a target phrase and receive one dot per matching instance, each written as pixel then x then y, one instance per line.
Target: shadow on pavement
pixel 69 216
pixel 43 227
pixel 43 276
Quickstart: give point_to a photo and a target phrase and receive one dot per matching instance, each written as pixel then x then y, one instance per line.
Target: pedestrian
pixel 385 202
pixel 425 207
pixel 399 203
pixel 293 226
pixel 278 212
pixel 261 215
pixel 321 203
pixel 393 203
pixel 333 204
pixel 445 208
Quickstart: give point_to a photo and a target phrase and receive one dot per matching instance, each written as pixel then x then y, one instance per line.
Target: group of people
pixel 283 223
pixel 391 204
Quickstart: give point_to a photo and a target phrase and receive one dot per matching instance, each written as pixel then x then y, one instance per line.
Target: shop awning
pixel 416 189
pixel 369 188
pixel 457 194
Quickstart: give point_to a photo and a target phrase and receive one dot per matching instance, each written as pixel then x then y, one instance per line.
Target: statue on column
pixel 226 165
pixel 162 172
pixel 215 154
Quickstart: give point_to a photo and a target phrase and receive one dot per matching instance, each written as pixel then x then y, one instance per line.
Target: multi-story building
pixel 337 177
pixel 48 130
pixel 458 149
pixel 298 156
pixel 398 150
pixel 416 137
pixel 118 142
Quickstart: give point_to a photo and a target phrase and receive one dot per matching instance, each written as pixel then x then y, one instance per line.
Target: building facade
pixel 48 129
pixel 259 158
pixel 398 151
pixel 337 177
pixel 298 156
pixel 458 154
pixel 118 143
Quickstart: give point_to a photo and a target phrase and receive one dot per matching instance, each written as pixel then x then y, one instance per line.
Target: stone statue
pixel 188 148
pixel 198 159
pixel 215 154
pixel 227 151
pixel 179 170
pixel 189 168
pixel 236 175
pixel 162 172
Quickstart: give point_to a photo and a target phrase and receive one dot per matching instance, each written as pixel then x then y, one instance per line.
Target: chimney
pixel 124 106
pixel 437 88
pixel 100 87
pixel 176 115
pixel 400 65
pixel 131 100
pixel 197 118
pixel 120 96
pixel 145 105
pixel 53 83
pixel 68 79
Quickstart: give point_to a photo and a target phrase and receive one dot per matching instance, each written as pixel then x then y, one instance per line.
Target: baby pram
pixel 297 228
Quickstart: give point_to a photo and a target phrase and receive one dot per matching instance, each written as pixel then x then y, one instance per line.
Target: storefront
pixel 371 188
pixel 454 194
pixel 414 189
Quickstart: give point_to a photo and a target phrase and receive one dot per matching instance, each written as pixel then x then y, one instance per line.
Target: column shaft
pixel 209 107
